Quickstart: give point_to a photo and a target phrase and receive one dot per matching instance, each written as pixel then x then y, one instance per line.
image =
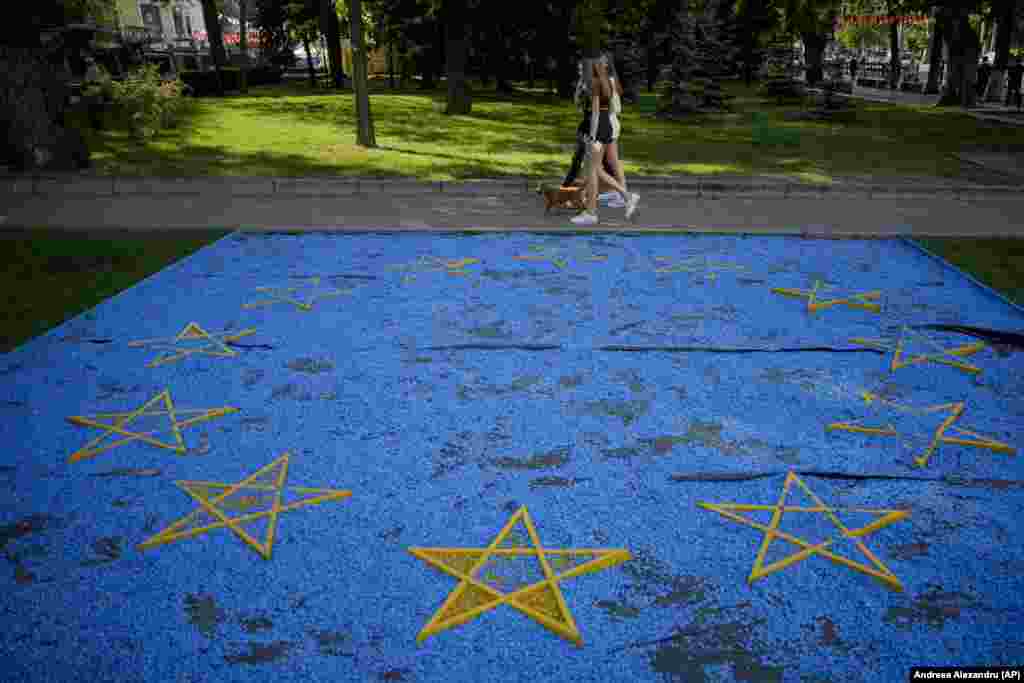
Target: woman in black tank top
pixel 602 136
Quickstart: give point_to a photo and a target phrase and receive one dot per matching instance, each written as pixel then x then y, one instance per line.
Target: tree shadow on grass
pixel 523 134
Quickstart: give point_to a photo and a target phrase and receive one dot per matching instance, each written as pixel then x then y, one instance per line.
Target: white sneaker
pixel 585 218
pixel 634 199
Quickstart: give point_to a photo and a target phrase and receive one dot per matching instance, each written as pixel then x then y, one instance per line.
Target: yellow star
pixel 434 264
pixel 862 301
pixel 902 359
pixel 708 268
pixel 118 422
pixel 771 532
pixel 192 331
pixel 285 296
pixel 956 435
pixel 480 591
pixel 552 255
pixel 215 498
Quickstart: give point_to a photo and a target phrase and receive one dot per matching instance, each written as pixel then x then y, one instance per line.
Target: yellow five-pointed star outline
pixel 117 423
pixel 863 301
pixel 541 601
pixel 771 532
pixel 551 255
pixel 193 331
pixel 215 498
pixel 696 264
pixel 945 433
pixel 286 296
pixel 901 359
pixel 433 264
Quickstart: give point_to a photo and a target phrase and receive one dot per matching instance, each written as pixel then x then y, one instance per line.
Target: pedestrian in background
pixel 1014 74
pixel 984 71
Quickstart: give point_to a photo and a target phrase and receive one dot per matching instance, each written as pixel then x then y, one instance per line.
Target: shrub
pixel 147 102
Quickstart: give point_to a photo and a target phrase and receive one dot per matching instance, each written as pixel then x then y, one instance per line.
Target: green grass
pixel 51 276
pixel 996 262
pixel 291 130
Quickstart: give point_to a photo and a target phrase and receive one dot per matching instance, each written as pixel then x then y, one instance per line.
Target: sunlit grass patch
pixel 290 130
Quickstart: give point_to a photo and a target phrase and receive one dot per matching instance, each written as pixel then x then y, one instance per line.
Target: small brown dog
pixel 562 197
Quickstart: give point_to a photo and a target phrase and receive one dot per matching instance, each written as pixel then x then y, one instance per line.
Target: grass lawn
pixel 996 262
pixel 291 130
pixel 51 276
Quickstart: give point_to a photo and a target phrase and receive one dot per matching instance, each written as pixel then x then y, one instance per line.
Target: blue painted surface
pixel 441 445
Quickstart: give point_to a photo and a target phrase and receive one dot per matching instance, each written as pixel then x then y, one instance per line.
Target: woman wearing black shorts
pixel 603 137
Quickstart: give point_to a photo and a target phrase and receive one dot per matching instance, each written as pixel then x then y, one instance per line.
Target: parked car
pixel 300 59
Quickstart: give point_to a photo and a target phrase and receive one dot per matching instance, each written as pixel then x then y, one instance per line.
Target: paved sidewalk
pixel 760 206
pixel 982 110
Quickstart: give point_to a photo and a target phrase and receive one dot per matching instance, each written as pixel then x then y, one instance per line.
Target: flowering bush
pixel 149 103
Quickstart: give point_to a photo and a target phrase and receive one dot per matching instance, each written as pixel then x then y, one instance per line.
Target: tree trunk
pixel 425 59
pixel 391 63
pixel 243 44
pixel 439 50
pixel 749 45
pixel 961 48
pixel 334 46
pixel 365 135
pixel 814 52
pixel 483 58
pixel 935 64
pixel 309 61
pixel 216 38
pixel 652 61
pixel 459 98
pixel 331 31
pixel 1004 11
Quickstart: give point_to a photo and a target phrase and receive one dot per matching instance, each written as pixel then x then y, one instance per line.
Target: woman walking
pixel 600 86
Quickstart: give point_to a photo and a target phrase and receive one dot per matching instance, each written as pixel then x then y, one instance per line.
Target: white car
pixel 300 57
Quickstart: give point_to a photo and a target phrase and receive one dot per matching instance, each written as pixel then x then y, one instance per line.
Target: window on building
pixel 179 22
pixel 151 18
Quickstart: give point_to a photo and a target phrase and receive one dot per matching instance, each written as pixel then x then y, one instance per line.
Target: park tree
pixel 757 20
pixel 460 100
pixel 1004 13
pixel 729 31
pixel 639 40
pixel 813 22
pixel 781 83
pixel 243 44
pixel 890 30
pixel 216 39
pixel 365 136
pixel 934 55
pixel 330 29
pixel 695 75
pixel 275 21
pixel 961 47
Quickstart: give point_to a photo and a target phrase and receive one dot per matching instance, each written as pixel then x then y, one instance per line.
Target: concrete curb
pixel 70 184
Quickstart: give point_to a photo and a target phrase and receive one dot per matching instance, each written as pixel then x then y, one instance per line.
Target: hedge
pixel 204 83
